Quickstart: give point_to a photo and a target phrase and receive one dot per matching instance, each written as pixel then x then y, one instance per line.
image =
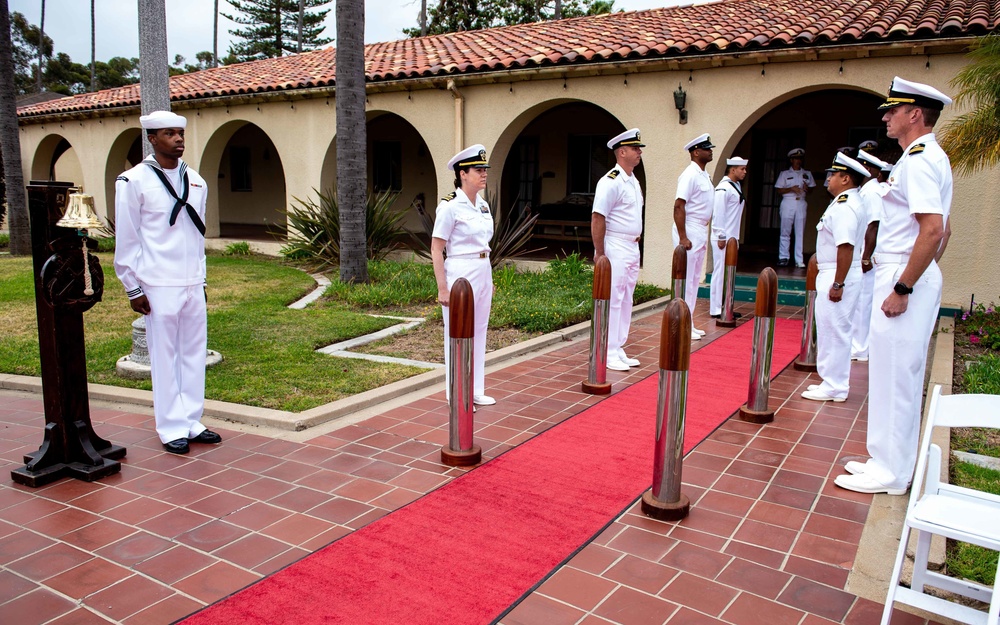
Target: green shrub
pixel 240 248
pixel 105 244
pixel 4 240
pixel 983 376
pixel 314 228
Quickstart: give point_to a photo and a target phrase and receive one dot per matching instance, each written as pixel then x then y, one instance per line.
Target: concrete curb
pixel 422 384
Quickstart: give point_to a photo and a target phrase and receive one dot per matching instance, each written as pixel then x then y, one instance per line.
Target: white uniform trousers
pixel 793 215
pixel 718 278
pixel 698 235
pixel 177 338
pixel 863 316
pixel 897 359
pixel 624 258
pixel 480 275
pixel 833 333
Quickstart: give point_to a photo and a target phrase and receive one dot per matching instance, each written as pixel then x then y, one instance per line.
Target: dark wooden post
pixel 70 446
pixel 807 349
pixel 728 319
pixel 460 450
pixel 679 270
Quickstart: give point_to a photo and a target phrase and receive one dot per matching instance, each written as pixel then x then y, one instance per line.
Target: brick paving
pixel 769 539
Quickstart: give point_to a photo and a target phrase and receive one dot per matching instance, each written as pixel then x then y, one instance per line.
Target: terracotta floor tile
pixel 127 597
pixel 832 527
pixel 817 571
pixel 296 529
pixel 290 471
pixel 80 616
pixel 211 535
pixel 134 549
pixel 842 509
pixel 641 574
pixel 12 586
pixel 68 490
pixel 174 522
pixel 758 456
pixel 186 493
pixel 825 550
pixel 137 510
pixel 626 605
pixel 417 480
pixel 363 489
pixel 753 553
pixel 687 616
pixel 699 594
pixel 754 578
pixel 299 499
pixel 96 535
pixel 220 505
pixel 22 543
pixel 325 480
pixel 697 560
pixel 748 609
pixel 175 564
pixel 537 609
pixel 595 558
pixel 216 582
pixel 165 611
pixel 577 588
pixel 38 606
pixel 765 535
pixel 724 502
pixel 741 486
pixel 791 497
pixel 87 578
pixel 257 516
pixel 711 522
pixel 822 600
pixel 642 543
pixel 50 561
pixel 779 515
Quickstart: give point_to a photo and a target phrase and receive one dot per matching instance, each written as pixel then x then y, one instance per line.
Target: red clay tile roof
pixel 729 26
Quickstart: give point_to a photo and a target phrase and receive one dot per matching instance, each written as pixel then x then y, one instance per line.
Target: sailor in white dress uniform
pixel 793 184
pixel 727 216
pixel 695 199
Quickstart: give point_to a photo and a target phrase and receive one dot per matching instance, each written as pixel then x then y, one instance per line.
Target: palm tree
pixel 352 156
pixel 41 47
pixel 972 140
pixel 10 144
pixel 93 48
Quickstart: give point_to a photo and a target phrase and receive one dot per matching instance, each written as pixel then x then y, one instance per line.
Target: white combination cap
pixel 843 162
pixel 701 142
pixel 629 137
pixel 903 91
pixel 736 161
pixel 472 156
pixel 868 144
pixel 865 157
pixel 162 119
pixel 796 153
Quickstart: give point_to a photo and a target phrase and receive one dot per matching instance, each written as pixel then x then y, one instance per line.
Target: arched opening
pixel 552 165
pixel 398 161
pixel 125 153
pixel 819 121
pixel 249 180
pixel 56 159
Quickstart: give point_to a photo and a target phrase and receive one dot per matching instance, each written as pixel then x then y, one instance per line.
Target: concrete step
pixel 791 291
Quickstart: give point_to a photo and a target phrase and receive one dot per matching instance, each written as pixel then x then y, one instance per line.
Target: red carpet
pixel 465 552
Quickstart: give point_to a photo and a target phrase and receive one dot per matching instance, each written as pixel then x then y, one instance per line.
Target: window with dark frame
pixel 589 159
pixel 387 163
pixel 239 169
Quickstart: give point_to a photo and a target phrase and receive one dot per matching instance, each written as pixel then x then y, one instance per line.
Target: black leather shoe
pixel 716 316
pixel 783 262
pixel 208 436
pixel 737 315
pixel 179 446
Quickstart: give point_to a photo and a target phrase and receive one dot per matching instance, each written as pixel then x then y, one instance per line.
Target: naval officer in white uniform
pixel 838 283
pixel 912 236
pixel 727 216
pixel 615 227
pixel 793 184
pixel 695 199
pixel 871 197
pixel 160 259
pixel 463 227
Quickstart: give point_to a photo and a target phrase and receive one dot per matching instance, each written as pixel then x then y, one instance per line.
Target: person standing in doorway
pixel 726 218
pixel 693 205
pixel 616 226
pixel 793 184
pixel 912 236
pixel 160 259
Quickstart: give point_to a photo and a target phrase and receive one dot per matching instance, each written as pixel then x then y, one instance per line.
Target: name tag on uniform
pixel 484 210
pixel 195 184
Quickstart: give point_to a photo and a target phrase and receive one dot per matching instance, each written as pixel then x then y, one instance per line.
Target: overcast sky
pixel 189 24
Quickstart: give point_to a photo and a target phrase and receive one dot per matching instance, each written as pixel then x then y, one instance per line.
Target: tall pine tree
pixel 271 27
pixel 447 16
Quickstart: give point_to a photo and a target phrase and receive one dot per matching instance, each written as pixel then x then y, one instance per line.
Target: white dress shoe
pixel 821 396
pixel 696 330
pixel 812 387
pixel 615 364
pixel 632 362
pixel 800 265
pixel 862 483
pixel 859 358
pixel 854 467
pixel 483 400
pixel 695 336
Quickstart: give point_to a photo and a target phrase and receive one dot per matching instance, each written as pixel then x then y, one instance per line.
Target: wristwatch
pixel 866 261
pixel 902 289
pixel 838 285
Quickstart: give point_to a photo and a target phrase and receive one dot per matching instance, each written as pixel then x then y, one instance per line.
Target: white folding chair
pixel 954 512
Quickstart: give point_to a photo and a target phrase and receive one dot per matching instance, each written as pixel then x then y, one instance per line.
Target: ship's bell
pixel 80 213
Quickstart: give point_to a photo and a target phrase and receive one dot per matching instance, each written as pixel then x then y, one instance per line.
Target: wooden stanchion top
pixel 675 336
pixel 462 310
pixel 811 272
pixel 732 251
pixel 680 263
pixel 602 278
pixel 767 293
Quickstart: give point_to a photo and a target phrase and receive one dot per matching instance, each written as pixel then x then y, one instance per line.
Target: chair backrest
pixel 965 411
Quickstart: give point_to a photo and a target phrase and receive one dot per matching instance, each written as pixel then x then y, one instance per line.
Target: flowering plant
pixel 982 325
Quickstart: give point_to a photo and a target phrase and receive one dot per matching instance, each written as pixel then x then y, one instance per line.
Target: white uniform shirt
pixel 466 228
pixel 148 250
pixel 619 198
pixel 920 182
pixel 728 212
pixel 795 178
pixel 841 223
pixel 695 187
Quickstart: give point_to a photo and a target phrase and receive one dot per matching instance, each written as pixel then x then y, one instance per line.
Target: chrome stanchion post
pixel 756 410
pixel 460 451
pixel 597 374
pixel 727 319
pixel 807 350
pixel 679 269
pixel 665 501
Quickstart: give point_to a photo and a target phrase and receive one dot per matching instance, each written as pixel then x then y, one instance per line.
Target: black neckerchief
pixel 182 200
pixel 737 187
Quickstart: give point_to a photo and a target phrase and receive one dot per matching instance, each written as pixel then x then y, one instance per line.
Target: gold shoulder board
pixel 613 174
pixel 917 149
pixel 451 196
pixel 841 198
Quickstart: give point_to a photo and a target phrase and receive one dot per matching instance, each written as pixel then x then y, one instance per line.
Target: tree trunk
pixel 93 48
pixel 352 156
pixel 423 18
pixel 154 75
pixel 558 12
pixel 215 36
pixel 10 143
pixel 302 10
pixel 41 46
